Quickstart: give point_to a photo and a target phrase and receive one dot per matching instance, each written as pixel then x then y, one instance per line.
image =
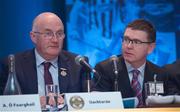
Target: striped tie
pixel 137 87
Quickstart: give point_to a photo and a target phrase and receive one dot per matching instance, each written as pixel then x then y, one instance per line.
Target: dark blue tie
pixel 137 87
pixel 47 74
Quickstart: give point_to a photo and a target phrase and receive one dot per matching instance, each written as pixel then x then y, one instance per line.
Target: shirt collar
pixel 130 68
pixel 40 60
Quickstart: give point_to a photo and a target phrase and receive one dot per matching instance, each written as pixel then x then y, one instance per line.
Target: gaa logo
pixel 76 102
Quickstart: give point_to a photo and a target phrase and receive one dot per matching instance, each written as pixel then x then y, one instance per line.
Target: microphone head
pixel 78 59
pixel 114 58
pixel 11 57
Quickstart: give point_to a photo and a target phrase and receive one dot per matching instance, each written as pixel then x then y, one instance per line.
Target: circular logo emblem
pixel 63 73
pixel 76 102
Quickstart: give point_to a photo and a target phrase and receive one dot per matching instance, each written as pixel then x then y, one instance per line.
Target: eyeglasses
pixel 51 34
pixel 134 42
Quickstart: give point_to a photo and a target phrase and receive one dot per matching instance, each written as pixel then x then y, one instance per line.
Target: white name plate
pixel 20 103
pixel 94 100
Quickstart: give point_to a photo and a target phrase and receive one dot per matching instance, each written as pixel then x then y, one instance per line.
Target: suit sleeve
pixel 102 80
pixel 173 79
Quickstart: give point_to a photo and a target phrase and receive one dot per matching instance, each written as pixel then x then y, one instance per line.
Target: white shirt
pixel 40 72
pixel 140 76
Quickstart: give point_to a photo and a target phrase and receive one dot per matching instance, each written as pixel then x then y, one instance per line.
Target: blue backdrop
pixel 94 27
pixel 16 18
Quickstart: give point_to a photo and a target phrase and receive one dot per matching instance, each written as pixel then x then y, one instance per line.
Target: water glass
pixel 52 92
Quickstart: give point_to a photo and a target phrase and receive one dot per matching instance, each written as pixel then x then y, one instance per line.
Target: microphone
pixel 155 83
pixel 114 60
pixel 80 60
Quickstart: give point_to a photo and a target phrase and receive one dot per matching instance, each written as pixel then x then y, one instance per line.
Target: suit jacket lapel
pixel 63 66
pixel 124 80
pixel 30 72
pixel 148 76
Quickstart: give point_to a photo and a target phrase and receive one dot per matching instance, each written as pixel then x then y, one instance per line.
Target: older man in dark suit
pixel 48 35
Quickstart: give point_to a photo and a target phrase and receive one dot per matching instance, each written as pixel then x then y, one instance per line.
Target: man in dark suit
pixel 174 71
pixel 48 35
pixel 133 68
pixel 70 75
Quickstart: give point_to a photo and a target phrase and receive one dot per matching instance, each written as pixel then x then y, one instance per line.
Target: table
pixel 170 109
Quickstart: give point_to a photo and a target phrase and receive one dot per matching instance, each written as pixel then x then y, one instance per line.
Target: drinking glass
pixel 52 92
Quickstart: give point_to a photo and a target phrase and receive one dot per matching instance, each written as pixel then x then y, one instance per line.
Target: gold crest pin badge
pixel 63 71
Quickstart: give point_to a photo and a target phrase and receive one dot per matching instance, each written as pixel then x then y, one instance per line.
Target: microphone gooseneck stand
pixel 88 81
pixel 116 81
pixel 114 61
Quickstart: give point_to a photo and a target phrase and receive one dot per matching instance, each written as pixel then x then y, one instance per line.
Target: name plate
pixel 20 103
pixel 94 100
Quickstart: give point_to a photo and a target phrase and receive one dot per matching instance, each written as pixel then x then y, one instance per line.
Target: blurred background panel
pixel 93 28
pixel 16 18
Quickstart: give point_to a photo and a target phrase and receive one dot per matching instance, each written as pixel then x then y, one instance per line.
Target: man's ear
pixel 33 37
pixel 151 47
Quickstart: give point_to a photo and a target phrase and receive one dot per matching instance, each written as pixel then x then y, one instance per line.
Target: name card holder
pixel 154 88
pixel 94 100
pixel 20 103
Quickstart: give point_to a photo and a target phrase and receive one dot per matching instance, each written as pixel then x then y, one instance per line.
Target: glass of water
pixel 52 92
